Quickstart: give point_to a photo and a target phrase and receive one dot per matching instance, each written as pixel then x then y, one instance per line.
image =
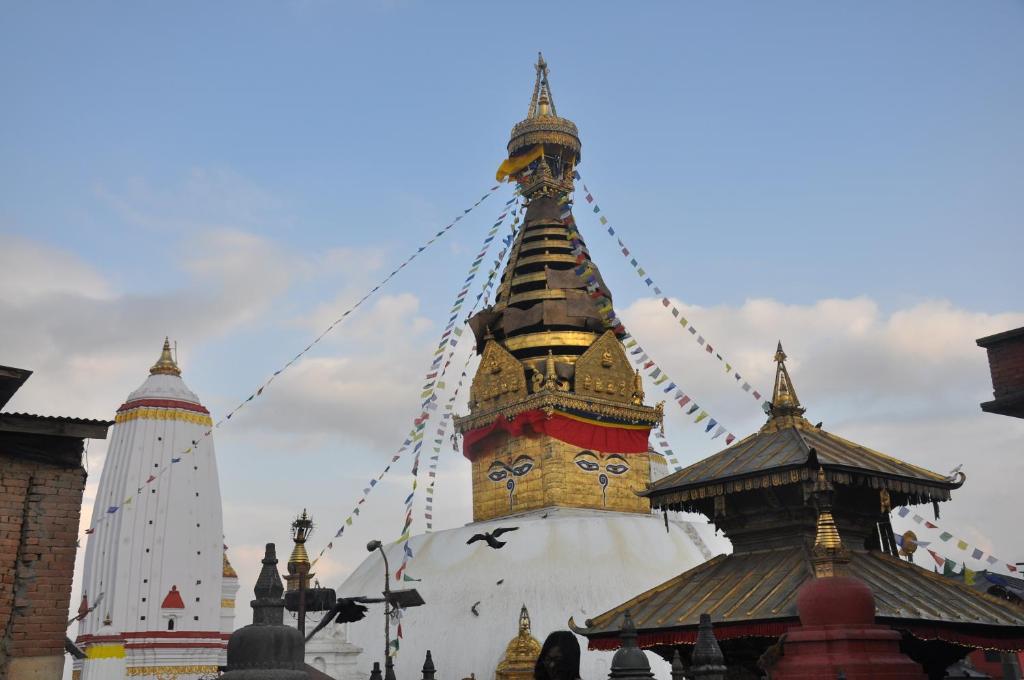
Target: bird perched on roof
pixel 491 537
pixel 818 424
pixel 343 611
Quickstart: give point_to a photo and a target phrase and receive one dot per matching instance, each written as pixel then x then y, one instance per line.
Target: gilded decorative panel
pixel 499 380
pixel 516 474
pixel 604 370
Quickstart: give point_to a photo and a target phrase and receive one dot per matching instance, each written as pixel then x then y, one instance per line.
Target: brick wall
pixel 1006 359
pixel 40 505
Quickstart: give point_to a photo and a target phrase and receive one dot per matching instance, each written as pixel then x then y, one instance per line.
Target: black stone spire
pixel 629 660
pixel 267 648
pixel 708 663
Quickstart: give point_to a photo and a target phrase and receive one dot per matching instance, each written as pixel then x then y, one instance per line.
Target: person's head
pixel 559 657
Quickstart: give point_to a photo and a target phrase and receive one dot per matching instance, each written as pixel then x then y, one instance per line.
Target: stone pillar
pixel 428 667
pixel 267 649
pixel 707 663
pixel 678 671
pixel 629 661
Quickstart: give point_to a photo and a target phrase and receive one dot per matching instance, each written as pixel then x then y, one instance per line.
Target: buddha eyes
pixel 500 471
pixel 522 468
pixel 614 464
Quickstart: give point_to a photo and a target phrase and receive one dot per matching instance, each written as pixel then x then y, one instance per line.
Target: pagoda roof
pixel 788 449
pixel 755 593
pixel 791 454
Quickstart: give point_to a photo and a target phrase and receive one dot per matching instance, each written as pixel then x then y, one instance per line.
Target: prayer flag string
pixel 483 297
pixel 677 315
pixel 975 552
pixel 433 383
pixel 162 469
pixel 414 438
pixel 638 356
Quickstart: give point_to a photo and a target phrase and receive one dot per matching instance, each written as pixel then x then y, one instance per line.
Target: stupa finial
pixel 165 365
pixel 543 102
pixel 784 399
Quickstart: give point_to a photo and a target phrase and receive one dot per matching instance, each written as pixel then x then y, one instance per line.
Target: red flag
pixel 930 525
pixel 941 561
pixel 151 478
pixel 1011 567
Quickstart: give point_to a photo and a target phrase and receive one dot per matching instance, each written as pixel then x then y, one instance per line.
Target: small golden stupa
pixel 521 654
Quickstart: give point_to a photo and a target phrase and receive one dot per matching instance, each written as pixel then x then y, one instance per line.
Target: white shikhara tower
pixel 155 564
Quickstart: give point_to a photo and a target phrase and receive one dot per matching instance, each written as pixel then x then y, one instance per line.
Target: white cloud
pixel 907 383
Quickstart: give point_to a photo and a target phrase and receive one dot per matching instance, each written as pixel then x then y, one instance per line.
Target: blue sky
pixel 233 174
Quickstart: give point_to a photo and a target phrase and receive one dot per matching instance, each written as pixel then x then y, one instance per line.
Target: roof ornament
pixel 165 365
pixel 629 661
pixel 784 400
pixel 708 662
pixel 543 102
pixel 828 555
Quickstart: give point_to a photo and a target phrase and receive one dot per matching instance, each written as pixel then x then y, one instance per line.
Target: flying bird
pixel 500 581
pixel 491 537
pixel 343 611
pixel 473 608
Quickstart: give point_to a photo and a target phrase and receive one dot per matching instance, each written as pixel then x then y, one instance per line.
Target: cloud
pixel 906 382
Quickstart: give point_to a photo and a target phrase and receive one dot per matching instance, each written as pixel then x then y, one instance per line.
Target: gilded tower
pixel 556 414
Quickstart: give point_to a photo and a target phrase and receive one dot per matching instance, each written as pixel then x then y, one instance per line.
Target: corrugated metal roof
pixel 69 427
pixel 762 586
pixel 790 447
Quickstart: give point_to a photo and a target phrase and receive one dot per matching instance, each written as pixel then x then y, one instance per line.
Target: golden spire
pixel 828 555
pixel 228 571
pixel 298 561
pixel 165 365
pixel 542 103
pixel 521 653
pixel 785 408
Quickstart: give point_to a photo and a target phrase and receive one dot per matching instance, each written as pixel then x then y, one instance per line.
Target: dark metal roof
pixel 761 587
pixel 773 450
pixel 29 423
pixel 11 379
pixel 1000 337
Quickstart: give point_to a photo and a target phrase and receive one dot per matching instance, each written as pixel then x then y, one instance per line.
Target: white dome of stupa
pixel 560 562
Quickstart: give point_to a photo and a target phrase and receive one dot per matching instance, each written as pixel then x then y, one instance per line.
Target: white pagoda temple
pixel 156 575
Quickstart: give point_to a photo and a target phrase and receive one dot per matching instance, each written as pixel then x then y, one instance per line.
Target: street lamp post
pixel 389 668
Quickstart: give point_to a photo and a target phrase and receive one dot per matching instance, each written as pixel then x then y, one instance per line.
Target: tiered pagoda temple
pixel 761 493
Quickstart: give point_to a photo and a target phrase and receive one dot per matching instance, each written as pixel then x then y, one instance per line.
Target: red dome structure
pixel 838 632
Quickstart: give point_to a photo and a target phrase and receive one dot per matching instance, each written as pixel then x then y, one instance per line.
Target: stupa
pixel 156 567
pixel 557 439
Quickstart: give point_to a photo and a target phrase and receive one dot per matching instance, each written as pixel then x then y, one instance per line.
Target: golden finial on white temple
pixel 165 365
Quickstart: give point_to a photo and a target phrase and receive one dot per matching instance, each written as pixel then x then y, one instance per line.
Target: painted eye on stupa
pixel 586 461
pixel 522 465
pixel 498 471
pixel 616 464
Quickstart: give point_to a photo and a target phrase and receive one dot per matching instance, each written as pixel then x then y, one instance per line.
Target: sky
pixel 845 178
